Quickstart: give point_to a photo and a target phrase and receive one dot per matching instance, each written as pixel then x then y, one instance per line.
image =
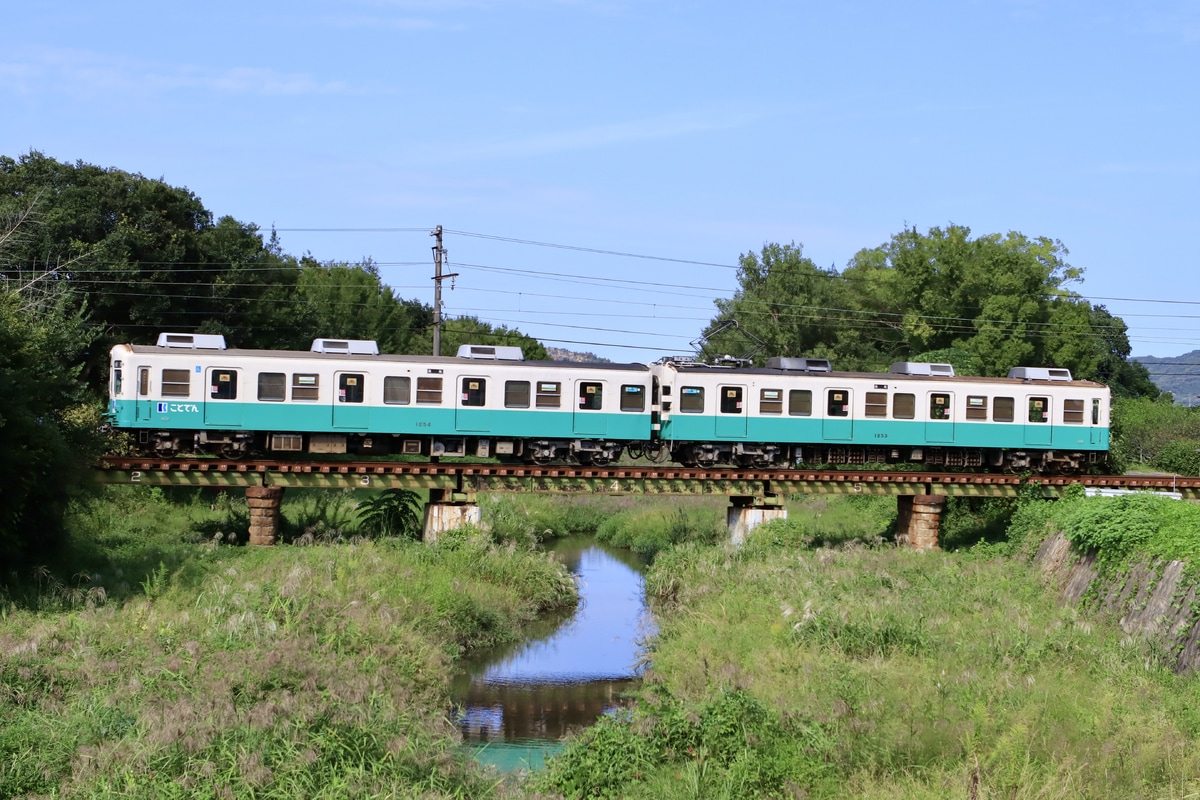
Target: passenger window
pixel 176 382
pixel 939 406
pixel 800 403
pixel 839 403
pixel 474 392
pixel 549 394
pixel 1003 409
pixel 731 399
pixel 224 384
pixel 350 387
pixel 770 401
pixel 306 386
pixel 904 406
pixel 272 386
pixel 1073 412
pixel 116 376
pixel 977 407
pixel 1039 408
pixel 876 404
pixel 691 399
pixel 397 390
pixel 591 396
pixel 633 398
pixel 516 394
pixel 429 391
pixel 1096 411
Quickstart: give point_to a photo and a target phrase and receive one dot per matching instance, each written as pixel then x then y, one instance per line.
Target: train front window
pixel 474 391
pixel 176 382
pixel 591 396
pixel 1096 411
pixel 271 386
pixel 116 376
pixel 222 384
pixel 350 387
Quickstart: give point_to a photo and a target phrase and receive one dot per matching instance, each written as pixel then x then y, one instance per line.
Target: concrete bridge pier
pixel 447 510
pixel 747 513
pixel 263 502
pixel 918 518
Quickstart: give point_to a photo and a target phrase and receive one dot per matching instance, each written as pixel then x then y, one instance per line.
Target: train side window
pixel 549 394
pixel 224 384
pixel 1003 409
pixel 977 407
pixel 839 403
pixel 904 406
pixel 1073 412
pixel 770 401
pixel 1038 406
pixel 116 378
pixel 939 405
pixel 306 386
pixel 591 396
pixel 800 403
pixel 731 399
pixel 429 391
pixel 633 397
pixel 144 381
pixel 691 400
pixel 397 390
pixel 176 383
pixel 474 391
pixel 516 394
pixel 272 386
pixel 350 387
pixel 876 404
pixel 1096 411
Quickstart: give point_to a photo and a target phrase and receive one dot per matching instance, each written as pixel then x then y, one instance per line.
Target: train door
pixel 1037 425
pixel 470 413
pixel 838 422
pixel 731 412
pixel 589 417
pixel 143 407
pixel 939 425
pixel 1097 432
pixel 350 408
pixel 221 406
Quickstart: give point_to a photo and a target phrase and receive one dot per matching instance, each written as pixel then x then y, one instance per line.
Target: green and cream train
pixel 190 394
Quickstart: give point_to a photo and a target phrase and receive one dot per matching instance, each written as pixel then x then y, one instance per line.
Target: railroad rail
pixel 468 478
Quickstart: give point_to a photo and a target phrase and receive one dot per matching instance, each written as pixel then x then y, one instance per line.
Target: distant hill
pixel 559 354
pixel 1179 375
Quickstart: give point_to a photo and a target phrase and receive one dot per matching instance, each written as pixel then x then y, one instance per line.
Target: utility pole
pixel 438 253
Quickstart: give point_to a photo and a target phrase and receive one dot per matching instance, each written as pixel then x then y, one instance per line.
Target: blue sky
pixel 688 132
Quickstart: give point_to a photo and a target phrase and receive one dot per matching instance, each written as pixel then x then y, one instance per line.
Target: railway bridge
pixel 755 496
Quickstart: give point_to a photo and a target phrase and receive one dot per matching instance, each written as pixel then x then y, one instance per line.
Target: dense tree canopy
pixel 984 303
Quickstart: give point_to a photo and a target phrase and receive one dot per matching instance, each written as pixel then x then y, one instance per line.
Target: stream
pixel 517 703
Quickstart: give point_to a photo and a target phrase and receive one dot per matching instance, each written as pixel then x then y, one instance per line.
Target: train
pixel 191 394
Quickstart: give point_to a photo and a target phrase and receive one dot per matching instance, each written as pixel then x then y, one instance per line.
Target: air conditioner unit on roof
pixel 922 368
pixel 1040 373
pixel 800 364
pixel 351 347
pixel 497 353
pixel 192 341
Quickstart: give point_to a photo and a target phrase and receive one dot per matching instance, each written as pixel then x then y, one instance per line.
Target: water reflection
pixel 570 671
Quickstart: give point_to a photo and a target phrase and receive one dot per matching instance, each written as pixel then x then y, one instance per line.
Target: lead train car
pixel 190 394
pixel 800 411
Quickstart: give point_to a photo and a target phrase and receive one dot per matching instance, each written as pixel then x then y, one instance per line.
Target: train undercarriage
pixel 600 452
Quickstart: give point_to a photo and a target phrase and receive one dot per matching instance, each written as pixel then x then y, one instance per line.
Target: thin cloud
pixel 84 72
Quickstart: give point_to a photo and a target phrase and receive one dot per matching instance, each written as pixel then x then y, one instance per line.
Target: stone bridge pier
pixel 918 517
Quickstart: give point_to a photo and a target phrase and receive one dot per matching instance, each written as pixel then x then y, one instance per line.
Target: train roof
pixel 308 355
pixel 880 376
